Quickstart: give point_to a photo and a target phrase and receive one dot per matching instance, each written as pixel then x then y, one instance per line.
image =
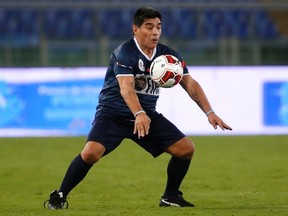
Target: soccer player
pixel 126 109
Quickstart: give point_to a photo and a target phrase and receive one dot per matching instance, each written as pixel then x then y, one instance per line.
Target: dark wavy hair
pixel 145 13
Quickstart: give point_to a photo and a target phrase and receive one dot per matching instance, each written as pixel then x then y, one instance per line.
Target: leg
pixel 182 152
pixel 182 149
pixel 99 143
pixel 80 166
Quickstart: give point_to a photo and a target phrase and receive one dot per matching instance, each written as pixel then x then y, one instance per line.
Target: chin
pixel 154 44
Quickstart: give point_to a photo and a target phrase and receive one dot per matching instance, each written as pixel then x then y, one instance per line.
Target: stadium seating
pixel 19 26
pixel 181 23
pixel 227 23
pixel 22 26
pixel 69 24
pixel 115 23
pixel 265 27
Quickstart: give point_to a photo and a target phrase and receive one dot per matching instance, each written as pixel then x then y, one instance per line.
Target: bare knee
pixel 183 149
pixel 186 152
pixel 189 152
pixel 92 152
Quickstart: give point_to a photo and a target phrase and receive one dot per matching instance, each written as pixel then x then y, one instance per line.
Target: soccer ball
pixel 166 71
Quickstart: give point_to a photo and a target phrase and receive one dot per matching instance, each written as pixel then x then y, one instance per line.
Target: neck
pixel 149 53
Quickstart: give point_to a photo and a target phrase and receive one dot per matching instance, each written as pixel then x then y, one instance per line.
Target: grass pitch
pixel 229 175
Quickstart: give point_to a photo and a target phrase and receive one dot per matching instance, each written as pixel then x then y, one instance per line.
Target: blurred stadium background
pixel 70 33
pixel 231 175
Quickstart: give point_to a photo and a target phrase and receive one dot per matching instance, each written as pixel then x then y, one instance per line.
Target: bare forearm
pixel 132 101
pixel 142 121
pixel 129 94
pixel 200 98
pixel 195 91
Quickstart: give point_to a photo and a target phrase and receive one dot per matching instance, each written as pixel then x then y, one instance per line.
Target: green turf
pixel 245 175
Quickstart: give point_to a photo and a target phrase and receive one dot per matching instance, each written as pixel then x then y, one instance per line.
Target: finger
pixel 227 127
pixel 135 128
pixel 224 126
pixel 146 129
pixel 141 132
pixel 139 129
pixel 220 124
pixel 214 124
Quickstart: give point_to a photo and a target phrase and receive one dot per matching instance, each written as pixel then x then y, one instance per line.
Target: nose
pixel 157 31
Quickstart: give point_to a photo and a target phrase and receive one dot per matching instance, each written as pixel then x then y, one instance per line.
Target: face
pixel 148 34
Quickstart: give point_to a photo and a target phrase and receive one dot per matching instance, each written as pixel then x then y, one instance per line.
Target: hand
pixel 142 125
pixel 215 121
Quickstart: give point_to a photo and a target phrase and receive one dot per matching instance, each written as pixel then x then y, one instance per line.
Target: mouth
pixel 155 40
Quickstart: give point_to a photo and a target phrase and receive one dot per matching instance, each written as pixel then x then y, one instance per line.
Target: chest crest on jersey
pixel 140 83
pixel 141 65
pixel 145 85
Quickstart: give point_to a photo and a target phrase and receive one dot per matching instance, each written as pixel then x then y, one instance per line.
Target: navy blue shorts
pixel 111 131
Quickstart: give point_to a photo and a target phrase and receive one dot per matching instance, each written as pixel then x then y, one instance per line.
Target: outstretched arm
pixel 195 91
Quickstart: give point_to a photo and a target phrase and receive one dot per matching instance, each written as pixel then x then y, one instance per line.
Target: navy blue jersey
pixel 129 60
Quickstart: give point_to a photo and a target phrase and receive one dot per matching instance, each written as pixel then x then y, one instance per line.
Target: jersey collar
pixel 147 57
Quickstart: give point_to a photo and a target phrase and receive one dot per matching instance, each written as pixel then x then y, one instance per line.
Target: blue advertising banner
pixel 275 103
pixel 65 105
pixel 54 101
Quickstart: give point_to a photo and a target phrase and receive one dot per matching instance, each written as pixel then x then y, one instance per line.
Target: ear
pixel 135 29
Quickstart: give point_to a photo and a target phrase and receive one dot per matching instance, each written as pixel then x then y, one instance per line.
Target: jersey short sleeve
pixel 123 60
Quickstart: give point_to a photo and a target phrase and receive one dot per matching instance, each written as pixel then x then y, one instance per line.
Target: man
pixel 126 109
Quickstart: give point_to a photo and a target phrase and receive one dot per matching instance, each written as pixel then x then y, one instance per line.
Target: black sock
pixel 74 175
pixel 176 171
